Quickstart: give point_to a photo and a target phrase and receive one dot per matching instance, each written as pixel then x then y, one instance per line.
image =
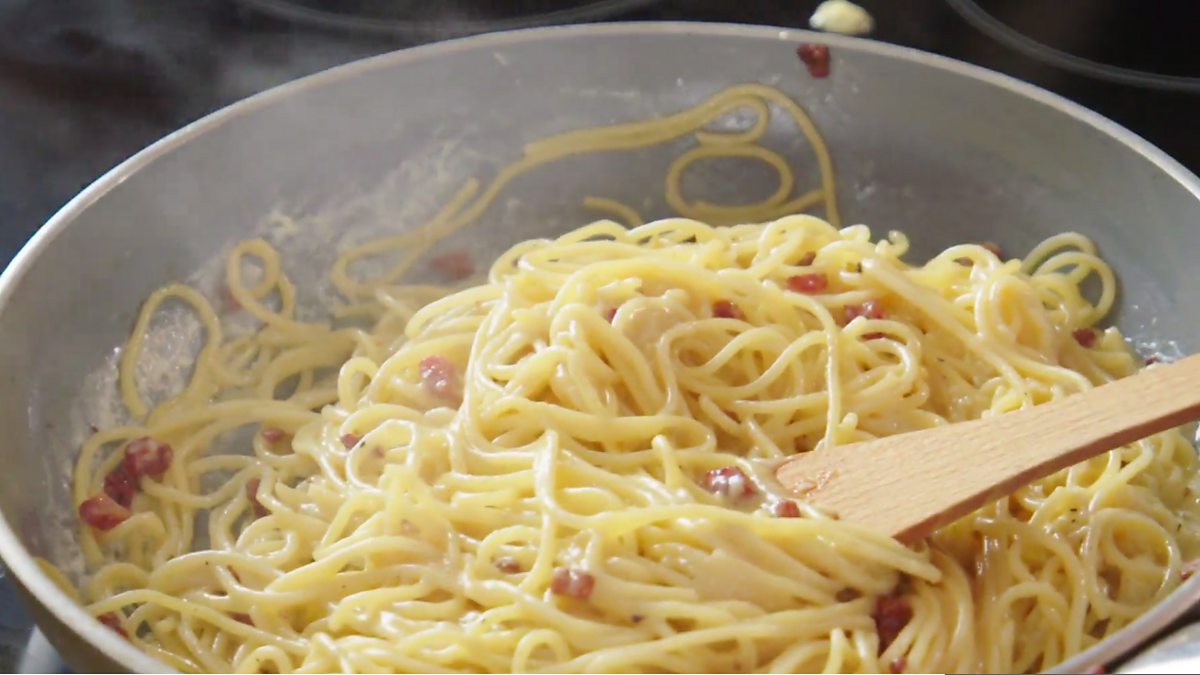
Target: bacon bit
pixel 507 564
pixel 787 509
pixel 869 309
pixel 120 486
pixel 610 314
pixel 147 457
pixel 572 583
pixel 111 620
pixel 725 309
pixel 273 434
pixel 229 303
pixel 242 618
pixel 440 377
pixel 807 259
pixel 993 248
pixel 252 496
pixel 892 613
pixel 1189 569
pixel 454 265
pixel 898 664
pixel 350 440
pixel 1085 337
pixel 816 58
pixel 808 283
pixel 1151 360
pixel 847 595
pixel 729 481
pixel 102 513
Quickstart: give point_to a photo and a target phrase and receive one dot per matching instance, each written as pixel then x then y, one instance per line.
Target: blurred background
pixel 86 83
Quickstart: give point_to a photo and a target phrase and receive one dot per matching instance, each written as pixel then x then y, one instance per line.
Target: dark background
pixel 86 83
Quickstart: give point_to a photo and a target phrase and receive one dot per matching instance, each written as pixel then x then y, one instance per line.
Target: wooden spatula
pixel 911 484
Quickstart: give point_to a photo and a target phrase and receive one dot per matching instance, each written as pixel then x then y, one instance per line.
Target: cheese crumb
pixel 842 16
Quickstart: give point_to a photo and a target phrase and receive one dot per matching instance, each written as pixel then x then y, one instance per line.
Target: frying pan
pixel 944 151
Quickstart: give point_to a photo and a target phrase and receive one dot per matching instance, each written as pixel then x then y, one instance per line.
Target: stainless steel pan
pixel 942 150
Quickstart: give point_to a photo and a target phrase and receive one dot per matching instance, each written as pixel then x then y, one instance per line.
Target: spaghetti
pixel 566 467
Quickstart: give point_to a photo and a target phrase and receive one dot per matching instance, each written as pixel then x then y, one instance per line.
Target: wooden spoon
pixel 911 484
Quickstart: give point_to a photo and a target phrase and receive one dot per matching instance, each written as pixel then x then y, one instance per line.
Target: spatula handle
pixel 911 484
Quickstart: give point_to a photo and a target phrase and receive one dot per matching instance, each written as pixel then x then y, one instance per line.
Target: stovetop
pixel 84 84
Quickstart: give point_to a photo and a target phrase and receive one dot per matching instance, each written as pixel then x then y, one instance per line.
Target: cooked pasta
pixel 566 466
